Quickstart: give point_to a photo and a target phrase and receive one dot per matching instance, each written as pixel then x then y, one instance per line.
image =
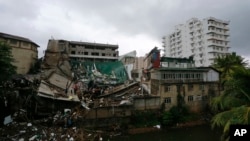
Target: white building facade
pixel 204 40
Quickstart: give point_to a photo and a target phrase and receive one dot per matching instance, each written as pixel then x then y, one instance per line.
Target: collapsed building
pixel 102 92
pixel 98 85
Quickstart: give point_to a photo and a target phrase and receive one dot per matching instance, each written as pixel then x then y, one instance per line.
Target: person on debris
pixel 3 109
pixel 66 89
pixel 79 94
pixel 101 91
pixel 22 83
pixel 74 88
pixel 68 122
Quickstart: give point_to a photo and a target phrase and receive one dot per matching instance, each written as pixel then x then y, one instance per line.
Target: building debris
pixel 7 120
pixel 68 96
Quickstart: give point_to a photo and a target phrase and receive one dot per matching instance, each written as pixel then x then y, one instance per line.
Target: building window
pixel 190 98
pixel 25 44
pixel 190 87
pixel 95 53
pixel 73 52
pixel 13 42
pixel 198 98
pixel 167 88
pixel 202 87
pixel 86 53
pixel 198 76
pixel 205 97
pixel 168 100
pixel 210 86
pixel 103 54
pixel 88 47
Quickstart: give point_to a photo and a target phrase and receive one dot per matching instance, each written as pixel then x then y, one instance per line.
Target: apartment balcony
pixel 178 42
pixel 181 80
pixel 179 52
pixel 172 44
pixel 218 24
pixel 210 49
pixel 210 37
pixel 211 57
pixel 226 33
pixel 191 27
pixel 178 35
pixel 179 45
pixel 192 37
pixel 216 44
pixel 226 28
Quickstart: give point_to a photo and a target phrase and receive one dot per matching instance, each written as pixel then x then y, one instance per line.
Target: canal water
pixel 196 133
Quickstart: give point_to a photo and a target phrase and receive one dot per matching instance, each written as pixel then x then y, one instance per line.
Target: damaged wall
pixel 109 112
pixel 56 59
pixel 147 103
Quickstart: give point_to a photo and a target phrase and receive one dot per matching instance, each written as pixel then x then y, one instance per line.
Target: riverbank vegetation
pixel 145 119
pixel 233 105
pixel 177 115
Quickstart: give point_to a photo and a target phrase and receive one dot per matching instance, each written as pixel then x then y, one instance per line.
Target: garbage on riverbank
pixel 61 126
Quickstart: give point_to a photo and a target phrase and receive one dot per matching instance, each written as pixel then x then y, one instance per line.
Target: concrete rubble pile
pixel 66 99
pixel 61 126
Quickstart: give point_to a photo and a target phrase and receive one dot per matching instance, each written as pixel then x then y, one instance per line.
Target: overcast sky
pixel 132 24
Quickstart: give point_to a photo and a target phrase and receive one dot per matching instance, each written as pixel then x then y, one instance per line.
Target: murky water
pixel 197 133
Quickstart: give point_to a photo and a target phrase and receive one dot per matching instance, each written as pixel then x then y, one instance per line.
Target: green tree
pixel 6 60
pixel 229 64
pixel 178 113
pixel 233 106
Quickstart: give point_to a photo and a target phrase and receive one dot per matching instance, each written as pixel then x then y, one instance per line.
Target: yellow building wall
pixel 25 54
pixel 198 104
pixel 24 59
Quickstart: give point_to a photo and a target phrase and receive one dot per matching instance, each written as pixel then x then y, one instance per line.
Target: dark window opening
pixel 95 53
pixel 167 88
pixel 168 100
pixel 13 42
pixel 190 98
pixel 190 87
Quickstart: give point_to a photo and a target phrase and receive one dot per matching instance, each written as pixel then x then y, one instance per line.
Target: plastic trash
pixel 7 120
pixel 29 124
pixel 32 138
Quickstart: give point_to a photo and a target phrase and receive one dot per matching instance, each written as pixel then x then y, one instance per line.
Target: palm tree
pixel 233 106
pixel 228 64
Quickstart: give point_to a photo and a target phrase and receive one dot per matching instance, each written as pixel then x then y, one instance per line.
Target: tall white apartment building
pixel 204 40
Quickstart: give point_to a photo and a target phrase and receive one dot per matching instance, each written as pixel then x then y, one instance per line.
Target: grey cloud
pixel 129 18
